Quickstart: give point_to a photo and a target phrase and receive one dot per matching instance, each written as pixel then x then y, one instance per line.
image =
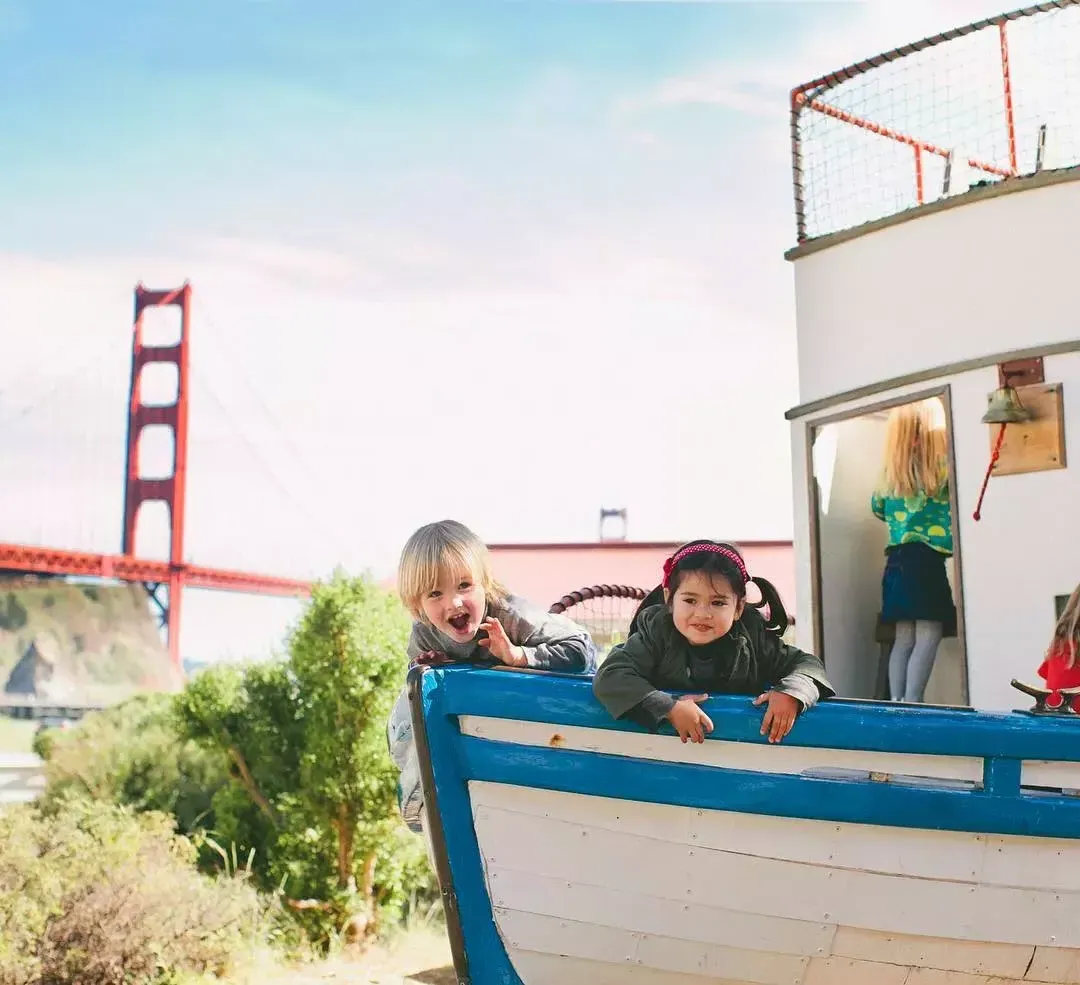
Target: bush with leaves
pixel 314 790
pixel 97 894
pixel 132 754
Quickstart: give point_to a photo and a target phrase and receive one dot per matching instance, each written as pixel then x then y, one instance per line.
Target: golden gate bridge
pixel 164 580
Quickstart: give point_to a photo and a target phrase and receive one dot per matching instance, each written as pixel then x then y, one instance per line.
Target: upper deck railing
pixel 992 100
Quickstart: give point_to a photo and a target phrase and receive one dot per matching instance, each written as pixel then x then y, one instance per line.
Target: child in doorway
pixel 696 632
pixel 913 500
pixel 463 615
pixel 1060 668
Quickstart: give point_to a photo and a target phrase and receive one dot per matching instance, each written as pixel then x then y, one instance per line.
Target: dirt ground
pixel 421 957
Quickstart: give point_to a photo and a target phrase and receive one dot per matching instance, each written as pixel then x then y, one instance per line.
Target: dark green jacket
pixel 632 681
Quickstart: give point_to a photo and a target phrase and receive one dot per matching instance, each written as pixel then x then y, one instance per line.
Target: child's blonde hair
pixel 435 549
pixel 915 450
pixel 1067 630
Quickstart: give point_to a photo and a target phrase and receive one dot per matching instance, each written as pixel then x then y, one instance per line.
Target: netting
pixel 980 103
pixel 604 610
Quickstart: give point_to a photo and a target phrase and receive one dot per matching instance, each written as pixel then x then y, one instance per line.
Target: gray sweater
pixel 550 642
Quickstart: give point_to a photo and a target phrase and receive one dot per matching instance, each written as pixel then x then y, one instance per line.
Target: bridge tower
pixel 168 489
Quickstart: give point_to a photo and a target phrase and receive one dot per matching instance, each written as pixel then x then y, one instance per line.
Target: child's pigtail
pixel 778 620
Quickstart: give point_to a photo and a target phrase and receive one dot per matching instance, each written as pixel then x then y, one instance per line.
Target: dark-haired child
pixel 695 632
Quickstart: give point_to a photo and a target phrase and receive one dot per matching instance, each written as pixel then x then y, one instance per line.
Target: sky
pixel 508 262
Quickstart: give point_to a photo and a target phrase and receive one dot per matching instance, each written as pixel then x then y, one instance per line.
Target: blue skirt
pixel 916 586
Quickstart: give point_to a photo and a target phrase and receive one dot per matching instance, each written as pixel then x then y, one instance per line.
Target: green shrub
pixel 96 894
pixel 132 754
pixel 278 768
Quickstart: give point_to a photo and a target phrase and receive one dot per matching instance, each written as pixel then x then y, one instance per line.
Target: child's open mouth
pixel 460 622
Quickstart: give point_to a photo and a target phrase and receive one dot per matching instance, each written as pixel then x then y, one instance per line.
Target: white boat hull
pixel 582 884
pixel 559 886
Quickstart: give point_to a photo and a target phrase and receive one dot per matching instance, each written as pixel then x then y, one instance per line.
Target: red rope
pixel 990 468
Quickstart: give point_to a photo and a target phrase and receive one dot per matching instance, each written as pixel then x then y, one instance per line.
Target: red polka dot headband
pixel 669 564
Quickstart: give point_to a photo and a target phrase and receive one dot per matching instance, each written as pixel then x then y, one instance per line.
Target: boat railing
pixel 994 99
pixel 511 728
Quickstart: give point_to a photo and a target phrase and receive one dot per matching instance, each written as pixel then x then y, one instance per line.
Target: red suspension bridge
pixel 164 580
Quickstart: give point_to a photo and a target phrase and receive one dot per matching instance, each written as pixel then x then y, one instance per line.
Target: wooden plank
pixel 1038 444
pixel 930 976
pixel 642 912
pixel 1000 860
pixel 733 755
pixel 850 971
pixel 814 893
pixel 1060 965
pixel 1047 773
pixel 533 932
pixel 536 968
pixel 970 957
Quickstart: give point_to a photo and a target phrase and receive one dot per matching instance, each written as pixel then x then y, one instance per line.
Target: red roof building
pixel 544 573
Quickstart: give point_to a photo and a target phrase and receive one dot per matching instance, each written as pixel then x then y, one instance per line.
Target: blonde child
pixel 1060 668
pixel 463 615
pixel 913 500
pixel 696 632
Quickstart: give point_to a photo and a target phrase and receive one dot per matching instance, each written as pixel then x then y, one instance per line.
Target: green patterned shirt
pixel 919 519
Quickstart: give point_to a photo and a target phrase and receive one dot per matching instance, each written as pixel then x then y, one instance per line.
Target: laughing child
pixel 463 615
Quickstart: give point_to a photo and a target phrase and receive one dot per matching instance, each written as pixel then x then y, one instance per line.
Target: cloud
pixel 760 87
pixel 275 258
pixel 948 96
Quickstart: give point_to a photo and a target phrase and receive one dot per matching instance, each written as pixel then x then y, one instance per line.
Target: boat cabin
pixel 961 293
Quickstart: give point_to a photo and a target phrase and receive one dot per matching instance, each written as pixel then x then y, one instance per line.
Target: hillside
pixel 102 640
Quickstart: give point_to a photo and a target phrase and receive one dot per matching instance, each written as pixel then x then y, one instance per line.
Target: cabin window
pixel 846 458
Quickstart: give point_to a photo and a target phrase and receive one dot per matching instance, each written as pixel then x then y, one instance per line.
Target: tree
pixel 306 741
pixel 348 655
pixel 251 714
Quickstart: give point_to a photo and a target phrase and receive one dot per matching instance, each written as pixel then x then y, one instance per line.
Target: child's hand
pixel 431 658
pixel 499 646
pixel 689 720
pixel 780 715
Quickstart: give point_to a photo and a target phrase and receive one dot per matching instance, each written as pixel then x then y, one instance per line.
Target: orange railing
pixel 950 98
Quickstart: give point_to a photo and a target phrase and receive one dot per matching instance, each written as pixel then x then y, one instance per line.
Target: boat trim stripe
pixel 999 808
pixel 837 723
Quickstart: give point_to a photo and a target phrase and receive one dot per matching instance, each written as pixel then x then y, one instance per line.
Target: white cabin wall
pixel 925 292
pixel 947 685
pixel 804 576
pixel 1014 561
pixel 1024 550
pixel 852 543
pixel 932 290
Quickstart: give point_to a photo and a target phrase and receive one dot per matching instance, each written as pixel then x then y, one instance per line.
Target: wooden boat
pixel 881 843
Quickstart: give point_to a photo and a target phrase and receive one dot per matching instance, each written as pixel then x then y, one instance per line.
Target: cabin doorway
pixel 848 556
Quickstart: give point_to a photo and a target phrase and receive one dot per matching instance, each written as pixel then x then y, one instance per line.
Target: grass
pixel 16 734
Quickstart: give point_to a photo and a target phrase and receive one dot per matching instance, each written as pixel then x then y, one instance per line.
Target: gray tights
pixel 912 658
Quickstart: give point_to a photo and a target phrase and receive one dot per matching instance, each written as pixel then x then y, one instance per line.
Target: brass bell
pixel 1004 407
